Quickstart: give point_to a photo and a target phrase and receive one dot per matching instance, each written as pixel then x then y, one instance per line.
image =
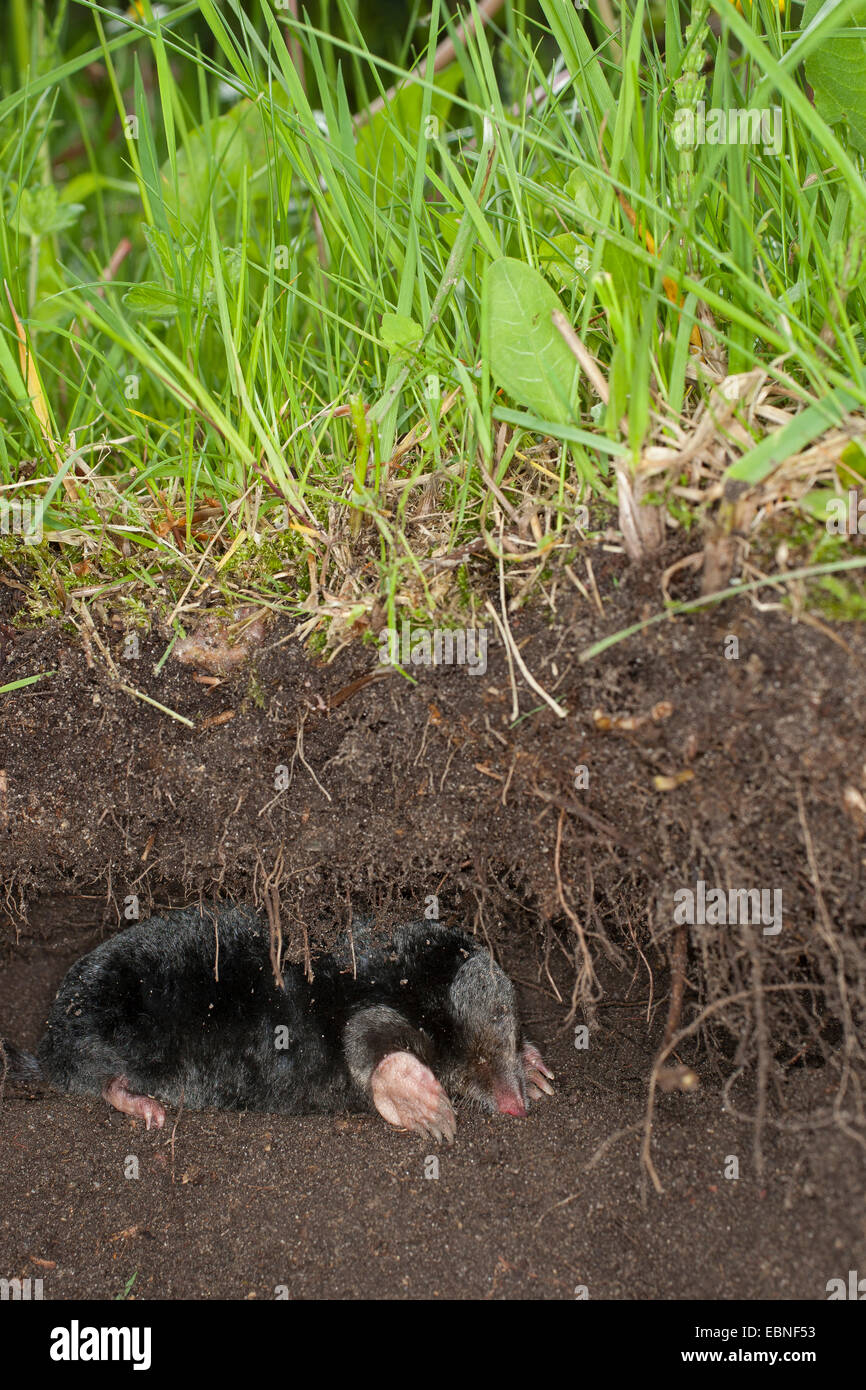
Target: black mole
pixel 185 1009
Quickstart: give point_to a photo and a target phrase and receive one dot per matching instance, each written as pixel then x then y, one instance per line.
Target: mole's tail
pixel 17 1064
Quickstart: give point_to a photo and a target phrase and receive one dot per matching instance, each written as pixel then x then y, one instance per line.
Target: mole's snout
pixel 509 1101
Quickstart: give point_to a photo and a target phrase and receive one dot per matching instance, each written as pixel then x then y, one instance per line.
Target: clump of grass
pixel 245 337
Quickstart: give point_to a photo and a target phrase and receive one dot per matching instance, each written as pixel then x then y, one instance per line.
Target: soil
pixel 744 771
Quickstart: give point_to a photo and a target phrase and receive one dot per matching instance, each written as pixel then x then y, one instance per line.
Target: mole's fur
pixel 184 1009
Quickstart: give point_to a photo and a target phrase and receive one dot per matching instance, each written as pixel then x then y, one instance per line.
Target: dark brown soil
pixel 402 790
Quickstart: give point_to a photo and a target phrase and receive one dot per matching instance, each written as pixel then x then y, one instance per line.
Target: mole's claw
pixel 537 1072
pixel 153 1115
pixel 442 1125
pixel 448 1122
pixel 539 1083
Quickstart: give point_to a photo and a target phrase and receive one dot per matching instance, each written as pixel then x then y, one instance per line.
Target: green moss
pixel 133 611
pixel 841 599
pixel 255 691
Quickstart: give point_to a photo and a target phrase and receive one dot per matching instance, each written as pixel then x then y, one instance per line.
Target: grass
pixel 252 343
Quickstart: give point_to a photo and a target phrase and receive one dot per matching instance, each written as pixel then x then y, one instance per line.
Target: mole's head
pixel 490 1067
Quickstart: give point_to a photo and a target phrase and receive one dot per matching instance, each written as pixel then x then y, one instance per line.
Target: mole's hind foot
pixel 145 1108
pixel 407 1095
pixel 537 1074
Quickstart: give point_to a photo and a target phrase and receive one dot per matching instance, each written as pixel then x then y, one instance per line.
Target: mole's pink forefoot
pixel 538 1075
pixel 407 1095
pixel 145 1108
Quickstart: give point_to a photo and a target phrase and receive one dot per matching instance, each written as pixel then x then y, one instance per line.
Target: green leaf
pixel 84 185
pixel 400 333
pixel 554 429
pixel 25 680
pixel 565 259
pixel 380 151
pixel 774 449
pixel 836 68
pixel 817 502
pixel 150 298
pixel 41 213
pixel 528 356
pixel 586 201
pixel 843 603
pixel 853 456
pixel 215 159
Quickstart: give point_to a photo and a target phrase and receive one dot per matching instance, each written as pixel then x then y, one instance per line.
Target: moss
pixel 133 610
pixel 840 598
pixel 255 691
pixel 39 607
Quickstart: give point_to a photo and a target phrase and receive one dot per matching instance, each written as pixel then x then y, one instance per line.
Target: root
pixel 271 897
pixel 678 981
pixel 586 987
pixel 693 1027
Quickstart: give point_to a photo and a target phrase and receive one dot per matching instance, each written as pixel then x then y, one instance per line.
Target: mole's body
pixel 185 1009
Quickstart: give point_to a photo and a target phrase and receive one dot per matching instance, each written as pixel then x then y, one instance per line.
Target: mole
pixel 185 1009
